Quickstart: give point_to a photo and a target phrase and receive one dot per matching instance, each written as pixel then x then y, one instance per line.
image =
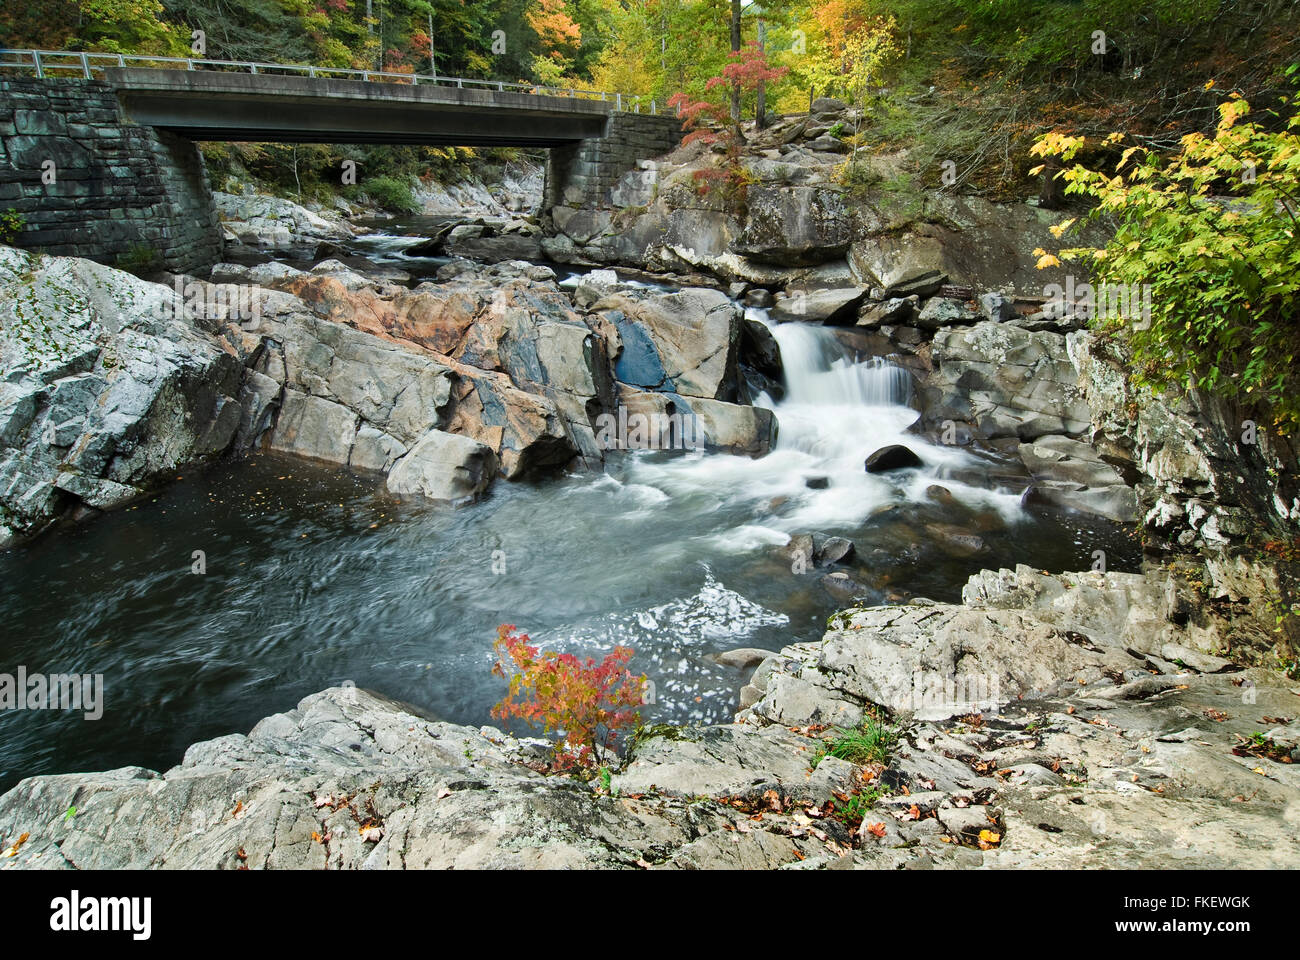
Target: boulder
pixel 834 306
pixel 943 312
pixel 833 550
pixel 314 427
pixel 893 457
pixel 759 349
pixel 116 389
pixel 795 225
pixel 685 342
pixel 444 467
pixel 895 310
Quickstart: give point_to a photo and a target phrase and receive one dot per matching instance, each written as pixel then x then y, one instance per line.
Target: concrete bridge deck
pixel 101 157
pixel 211 105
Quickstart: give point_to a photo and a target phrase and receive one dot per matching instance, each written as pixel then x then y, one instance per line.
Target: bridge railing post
pixel 85 65
pixel 36 59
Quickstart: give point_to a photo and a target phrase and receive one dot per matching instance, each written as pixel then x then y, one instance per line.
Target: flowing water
pixel 316 577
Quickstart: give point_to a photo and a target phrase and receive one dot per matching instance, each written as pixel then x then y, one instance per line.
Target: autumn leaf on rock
pixel 13 850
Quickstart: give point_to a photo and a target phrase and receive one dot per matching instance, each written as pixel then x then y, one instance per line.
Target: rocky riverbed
pixel 1112 743
pixel 838 362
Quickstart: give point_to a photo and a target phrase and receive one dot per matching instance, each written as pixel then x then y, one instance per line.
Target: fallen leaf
pixel 13 851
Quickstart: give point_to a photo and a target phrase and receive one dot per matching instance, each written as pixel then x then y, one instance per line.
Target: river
pixel 316 577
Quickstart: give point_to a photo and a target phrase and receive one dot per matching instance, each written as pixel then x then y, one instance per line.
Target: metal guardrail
pixel 87 65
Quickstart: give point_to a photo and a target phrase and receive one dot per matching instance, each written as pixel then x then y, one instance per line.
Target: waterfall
pixel 819 369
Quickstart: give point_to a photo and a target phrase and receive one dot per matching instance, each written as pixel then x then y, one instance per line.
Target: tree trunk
pixel 735 48
pixel 760 112
pixel 1052 194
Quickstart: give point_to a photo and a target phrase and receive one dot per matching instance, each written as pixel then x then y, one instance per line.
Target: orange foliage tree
pixel 588 702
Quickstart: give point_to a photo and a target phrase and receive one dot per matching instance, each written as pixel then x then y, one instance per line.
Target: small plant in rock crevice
pixel 871 742
pixel 588 703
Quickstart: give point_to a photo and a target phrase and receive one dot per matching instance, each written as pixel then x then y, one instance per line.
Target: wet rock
pixel 444 467
pixel 843 587
pixel 954 540
pixel 896 310
pixel 941 495
pixel 942 312
pixel 759 349
pixel 799 551
pixel 1115 502
pixel 742 658
pixel 833 550
pixel 836 306
pixel 893 457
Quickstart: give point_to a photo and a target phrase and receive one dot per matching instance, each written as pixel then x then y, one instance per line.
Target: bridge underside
pixel 206 105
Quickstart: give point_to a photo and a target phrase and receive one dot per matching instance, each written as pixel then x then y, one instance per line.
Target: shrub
pixel 11 224
pixel 1212 230
pixel 391 194
pixel 587 702
pixel 142 260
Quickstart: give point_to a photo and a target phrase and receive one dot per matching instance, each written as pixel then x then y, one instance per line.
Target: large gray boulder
pixel 444 466
pixel 1003 381
pixel 794 225
pixel 107 387
pixel 685 342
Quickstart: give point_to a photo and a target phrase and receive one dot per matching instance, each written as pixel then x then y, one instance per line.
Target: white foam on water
pixel 836 412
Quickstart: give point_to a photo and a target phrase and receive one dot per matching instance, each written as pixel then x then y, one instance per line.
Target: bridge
pixel 118 133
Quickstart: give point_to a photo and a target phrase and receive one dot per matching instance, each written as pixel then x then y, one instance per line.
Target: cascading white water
pixel 836 411
pixel 820 370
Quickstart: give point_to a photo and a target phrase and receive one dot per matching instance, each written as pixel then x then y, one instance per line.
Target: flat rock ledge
pixel 1093 749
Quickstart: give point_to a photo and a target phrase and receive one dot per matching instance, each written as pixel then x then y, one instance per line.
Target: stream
pixel 316 577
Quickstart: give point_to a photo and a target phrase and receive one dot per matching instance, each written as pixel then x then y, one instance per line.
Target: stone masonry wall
pixel 121 192
pixel 586 172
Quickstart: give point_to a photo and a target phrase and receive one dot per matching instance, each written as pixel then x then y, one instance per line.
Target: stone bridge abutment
pixel 111 170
